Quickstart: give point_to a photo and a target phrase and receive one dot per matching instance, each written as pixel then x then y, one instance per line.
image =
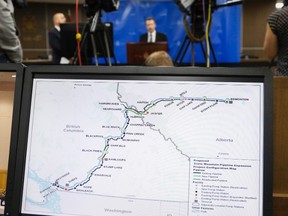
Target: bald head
pixel 58 19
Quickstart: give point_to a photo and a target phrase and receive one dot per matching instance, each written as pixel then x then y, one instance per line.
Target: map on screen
pixel 144 147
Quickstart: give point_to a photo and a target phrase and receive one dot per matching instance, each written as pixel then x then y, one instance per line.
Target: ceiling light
pixel 279 5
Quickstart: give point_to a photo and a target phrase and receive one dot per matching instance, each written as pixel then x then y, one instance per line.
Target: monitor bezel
pixel 19 70
pixel 18 151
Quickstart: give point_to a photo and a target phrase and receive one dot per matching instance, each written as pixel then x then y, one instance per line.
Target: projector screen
pixel 149 143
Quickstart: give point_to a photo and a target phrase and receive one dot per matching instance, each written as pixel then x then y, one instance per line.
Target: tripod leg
pixel 203 51
pixel 94 49
pixel 185 50
pixel 213 52
pixel 82 42
pixel 180 51
pixel 110 43
pixel 107 47
pixel 193 53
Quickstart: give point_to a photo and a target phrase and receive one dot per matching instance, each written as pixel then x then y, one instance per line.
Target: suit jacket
pixel 10 45
pixel 160 37
pixel 55 44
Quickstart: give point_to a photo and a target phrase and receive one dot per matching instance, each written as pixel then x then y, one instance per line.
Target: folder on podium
pixel 137 52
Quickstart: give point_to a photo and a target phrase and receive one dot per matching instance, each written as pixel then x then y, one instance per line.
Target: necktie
pixel 150 38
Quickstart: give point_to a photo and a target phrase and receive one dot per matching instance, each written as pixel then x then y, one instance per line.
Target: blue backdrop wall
pixel 129 23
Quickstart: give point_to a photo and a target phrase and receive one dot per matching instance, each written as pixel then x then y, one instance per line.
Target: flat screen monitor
pixel 144 141
pixel 69 43
pixel 11 80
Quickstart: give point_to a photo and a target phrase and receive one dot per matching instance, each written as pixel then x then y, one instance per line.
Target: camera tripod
pixel 184 47
pixel 195 32
pixel 95 28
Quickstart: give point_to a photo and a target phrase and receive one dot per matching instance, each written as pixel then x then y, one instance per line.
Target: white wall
pixel 6 109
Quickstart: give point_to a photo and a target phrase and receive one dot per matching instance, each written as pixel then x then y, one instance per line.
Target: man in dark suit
pixel 54 37
pixel 152 36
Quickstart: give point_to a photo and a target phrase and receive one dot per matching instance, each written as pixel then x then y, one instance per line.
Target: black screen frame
pixel 18 150
pixel 19 70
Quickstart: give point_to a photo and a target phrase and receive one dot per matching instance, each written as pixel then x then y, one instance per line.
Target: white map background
pixel 94 150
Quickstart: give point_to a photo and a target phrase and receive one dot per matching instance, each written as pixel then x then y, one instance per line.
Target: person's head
pixel 150 24
pixel 58 19
pixel 159 58
pixel 285 2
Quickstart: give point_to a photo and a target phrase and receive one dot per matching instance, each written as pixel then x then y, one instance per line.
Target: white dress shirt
pixel 153 37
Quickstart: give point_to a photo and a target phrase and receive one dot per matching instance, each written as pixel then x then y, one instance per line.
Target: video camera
pixel 196 9
pixel 93 6
pixel 186 6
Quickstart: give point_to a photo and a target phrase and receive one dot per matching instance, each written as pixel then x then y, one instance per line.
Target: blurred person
pixel 276 39
pixel 10 45
pixel 159 58
pixel 152 35
pixel 55 38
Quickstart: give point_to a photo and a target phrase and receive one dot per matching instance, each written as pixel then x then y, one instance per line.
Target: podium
pixel 137 52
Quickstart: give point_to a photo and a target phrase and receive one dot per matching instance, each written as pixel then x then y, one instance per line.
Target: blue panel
pixel 129 23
